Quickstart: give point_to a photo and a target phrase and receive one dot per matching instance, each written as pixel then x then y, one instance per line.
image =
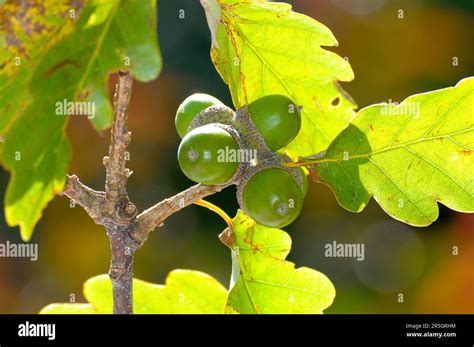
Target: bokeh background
pixel 392 58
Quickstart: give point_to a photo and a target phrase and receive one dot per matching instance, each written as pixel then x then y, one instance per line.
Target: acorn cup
pixel 271 193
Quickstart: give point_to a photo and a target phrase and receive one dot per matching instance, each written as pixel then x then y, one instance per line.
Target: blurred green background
pixel 392 58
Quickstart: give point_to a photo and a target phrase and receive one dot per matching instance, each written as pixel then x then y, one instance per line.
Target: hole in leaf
pixel 336 101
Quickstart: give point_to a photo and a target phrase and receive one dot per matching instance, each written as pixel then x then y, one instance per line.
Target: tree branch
pixel 122 248
pixel 120 137
pixel 118 207
pixel 113 209
pixel 92 201
pixel 155 216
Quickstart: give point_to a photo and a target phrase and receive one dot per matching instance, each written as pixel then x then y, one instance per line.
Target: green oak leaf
pixel 70 61
pixel 407 156
pixel 65 308
pixel 266 48
pixel 31 27
pixel 185 291
pixel 229 2
pixel 264 282
pixel 28 30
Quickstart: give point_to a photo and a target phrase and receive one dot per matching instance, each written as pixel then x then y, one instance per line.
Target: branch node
pixel 92 201
pixel 127 138
pixel 131 210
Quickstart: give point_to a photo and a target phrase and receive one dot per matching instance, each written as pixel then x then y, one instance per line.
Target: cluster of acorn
pixel 269 192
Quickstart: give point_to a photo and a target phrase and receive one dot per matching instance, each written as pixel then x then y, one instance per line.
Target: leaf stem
pixel 216 209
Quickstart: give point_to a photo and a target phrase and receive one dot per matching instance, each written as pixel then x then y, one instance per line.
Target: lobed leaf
pixel 264 282
pixel 65 53
pixel 408 157
pixel 266 48
pixel 185 291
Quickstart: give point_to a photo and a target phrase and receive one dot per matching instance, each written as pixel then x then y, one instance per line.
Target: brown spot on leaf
pixel 313 175
pixel 59 66
pixel 255 248
pixel 83 94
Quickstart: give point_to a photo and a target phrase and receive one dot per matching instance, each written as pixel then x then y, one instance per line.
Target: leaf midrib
pixel 270 68
pixel 286 286
pixel 98 47
pixel 388 149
